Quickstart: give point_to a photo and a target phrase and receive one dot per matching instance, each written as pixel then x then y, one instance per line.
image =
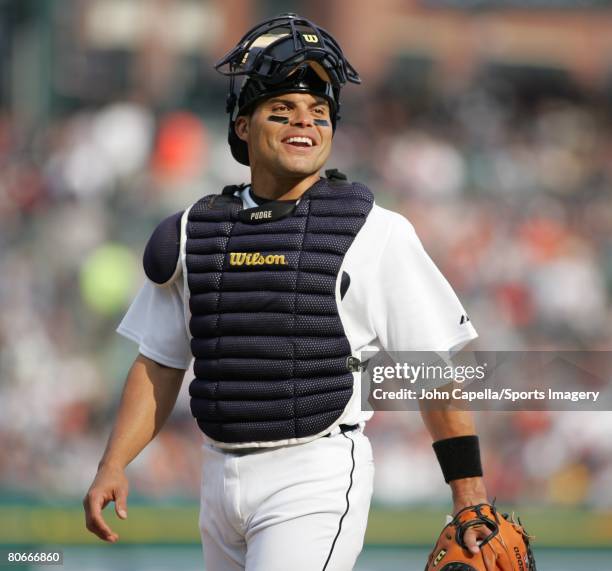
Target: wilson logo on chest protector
pixel 256 259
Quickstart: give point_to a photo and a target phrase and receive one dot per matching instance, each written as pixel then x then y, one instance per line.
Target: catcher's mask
pixel 286 54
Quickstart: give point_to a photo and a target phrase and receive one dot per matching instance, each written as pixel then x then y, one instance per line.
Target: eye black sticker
pixel 278 119
pixel 321 122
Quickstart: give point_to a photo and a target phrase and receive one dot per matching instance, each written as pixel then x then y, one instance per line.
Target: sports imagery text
pixel 504 394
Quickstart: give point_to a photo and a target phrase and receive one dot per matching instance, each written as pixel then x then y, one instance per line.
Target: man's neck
pixel 265 185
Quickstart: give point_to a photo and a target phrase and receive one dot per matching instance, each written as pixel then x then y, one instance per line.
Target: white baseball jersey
pixel 397 300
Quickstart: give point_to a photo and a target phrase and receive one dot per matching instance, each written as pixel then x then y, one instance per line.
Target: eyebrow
pixel 318 101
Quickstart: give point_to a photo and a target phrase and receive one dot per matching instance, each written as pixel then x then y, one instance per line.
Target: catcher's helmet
pixel 282 55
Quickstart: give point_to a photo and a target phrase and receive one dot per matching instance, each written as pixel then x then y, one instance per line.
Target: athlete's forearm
pixel 445 421
pixel 148 397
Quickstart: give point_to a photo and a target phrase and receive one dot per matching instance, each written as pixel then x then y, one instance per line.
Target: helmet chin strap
pixel 232 98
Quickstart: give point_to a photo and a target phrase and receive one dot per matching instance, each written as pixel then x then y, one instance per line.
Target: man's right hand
pixel 110 484
pixel 149 394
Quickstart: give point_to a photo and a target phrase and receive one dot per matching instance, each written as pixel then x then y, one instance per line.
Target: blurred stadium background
pixel 488 123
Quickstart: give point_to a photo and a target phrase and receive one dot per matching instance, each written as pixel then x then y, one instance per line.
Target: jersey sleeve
pixel 155 321
pixel 415 308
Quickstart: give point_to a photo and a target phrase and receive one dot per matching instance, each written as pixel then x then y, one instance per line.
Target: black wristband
pixel 459 457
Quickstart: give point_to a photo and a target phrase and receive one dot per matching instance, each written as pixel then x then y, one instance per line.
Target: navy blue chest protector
pixel 272 361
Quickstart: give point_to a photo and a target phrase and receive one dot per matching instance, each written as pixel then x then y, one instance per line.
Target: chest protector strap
pixel 272 361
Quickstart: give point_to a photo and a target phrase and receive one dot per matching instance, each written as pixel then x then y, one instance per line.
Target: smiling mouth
pixel 306 142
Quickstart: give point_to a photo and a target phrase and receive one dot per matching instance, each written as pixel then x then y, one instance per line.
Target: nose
pixel 302 117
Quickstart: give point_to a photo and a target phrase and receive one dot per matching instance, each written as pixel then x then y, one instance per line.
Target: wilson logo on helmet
pixel 256 259
pixel 311 38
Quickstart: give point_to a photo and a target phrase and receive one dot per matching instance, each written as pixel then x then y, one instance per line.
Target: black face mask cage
pixel 272 64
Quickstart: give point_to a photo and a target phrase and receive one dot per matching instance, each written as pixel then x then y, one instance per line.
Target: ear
pixel 241 126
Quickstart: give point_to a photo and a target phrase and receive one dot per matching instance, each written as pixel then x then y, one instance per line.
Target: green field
pixel 166 538
pixel 178 525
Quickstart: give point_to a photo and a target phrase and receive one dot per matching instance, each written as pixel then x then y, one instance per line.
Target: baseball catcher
pixel 273 288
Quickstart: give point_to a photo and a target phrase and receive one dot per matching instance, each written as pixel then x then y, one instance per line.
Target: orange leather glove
pixel 505 549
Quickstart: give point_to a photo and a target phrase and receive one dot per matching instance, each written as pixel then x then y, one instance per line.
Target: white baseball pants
pixel 291 508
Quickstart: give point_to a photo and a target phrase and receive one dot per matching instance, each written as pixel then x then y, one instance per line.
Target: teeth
pixel 306 140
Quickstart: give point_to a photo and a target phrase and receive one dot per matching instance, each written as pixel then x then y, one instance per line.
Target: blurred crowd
pixel 511 198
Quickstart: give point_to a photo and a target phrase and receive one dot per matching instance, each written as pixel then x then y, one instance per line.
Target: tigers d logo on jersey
pixel 256 259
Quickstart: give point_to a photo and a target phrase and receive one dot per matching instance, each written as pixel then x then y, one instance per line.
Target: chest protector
pixel 272 361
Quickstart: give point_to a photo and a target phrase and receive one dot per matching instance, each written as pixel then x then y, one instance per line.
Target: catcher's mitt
pixel 505 549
